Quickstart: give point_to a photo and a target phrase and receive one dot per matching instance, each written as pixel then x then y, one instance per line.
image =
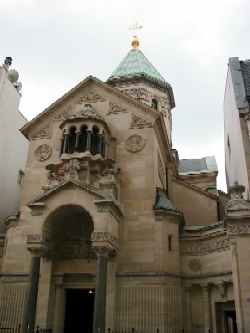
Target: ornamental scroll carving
pixel 135 143
pixel 43 152
pixel 198 247
pixel 141 94
pixel 139 123
pixel 115 109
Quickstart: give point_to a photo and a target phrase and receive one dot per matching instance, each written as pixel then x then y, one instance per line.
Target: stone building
pixel 13 145
pixel 114 230
pixel 237 123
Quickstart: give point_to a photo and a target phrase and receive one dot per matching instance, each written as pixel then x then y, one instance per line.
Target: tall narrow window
pixel 95 141
pixel 170 245
pixel 82 144
pixel 154 104
pixel 71 140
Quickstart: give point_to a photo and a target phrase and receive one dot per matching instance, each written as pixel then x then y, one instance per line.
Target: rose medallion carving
pixel 195 265
pixel 135 143
pixel 43 152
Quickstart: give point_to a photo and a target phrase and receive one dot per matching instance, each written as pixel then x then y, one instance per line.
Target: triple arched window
pixel 84 139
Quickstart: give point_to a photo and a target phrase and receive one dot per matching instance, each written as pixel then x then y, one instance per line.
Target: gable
pixel 90 90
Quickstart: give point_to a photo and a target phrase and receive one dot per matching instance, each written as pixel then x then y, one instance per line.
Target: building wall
pixel 13 146
pixel 198 208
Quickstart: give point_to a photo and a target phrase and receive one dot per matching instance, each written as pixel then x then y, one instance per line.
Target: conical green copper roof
pixel 136 64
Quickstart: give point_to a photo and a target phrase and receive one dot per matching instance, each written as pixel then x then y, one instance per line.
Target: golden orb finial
pixel 135 42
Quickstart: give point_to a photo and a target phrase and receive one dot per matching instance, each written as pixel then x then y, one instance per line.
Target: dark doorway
pixel 230 322
pixel 79 310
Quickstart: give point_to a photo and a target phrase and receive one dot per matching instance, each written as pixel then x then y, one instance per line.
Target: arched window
pixel 95 141
pixel 83 137
pixel 71 140
pixel 154 104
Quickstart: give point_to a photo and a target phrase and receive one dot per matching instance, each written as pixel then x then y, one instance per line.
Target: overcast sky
pixel 57 43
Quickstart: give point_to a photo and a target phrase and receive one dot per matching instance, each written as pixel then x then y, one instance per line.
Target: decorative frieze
pixel 135 143
pixel 204 246
pixel 43 152
pixel 139 123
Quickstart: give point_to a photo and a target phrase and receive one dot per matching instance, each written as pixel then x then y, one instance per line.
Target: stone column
pixel 101 290
pixel 78 134
pixel 207 309
pixel 88 140
pixel 104 245
pixel 188 309
pixel 65 142
pixel 29 317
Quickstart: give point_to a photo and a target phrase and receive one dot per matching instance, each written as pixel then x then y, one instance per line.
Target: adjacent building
pixel 114 230
pixel 13 145
pixel 237 123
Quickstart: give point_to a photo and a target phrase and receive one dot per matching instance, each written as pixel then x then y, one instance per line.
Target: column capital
pixel 104 243
pixel 35 245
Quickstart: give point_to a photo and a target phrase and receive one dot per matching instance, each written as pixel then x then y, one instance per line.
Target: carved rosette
pixel 135 143
pixel 194 265
pixel 43 152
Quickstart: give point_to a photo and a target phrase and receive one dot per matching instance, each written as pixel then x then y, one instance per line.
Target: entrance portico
pixel 75 251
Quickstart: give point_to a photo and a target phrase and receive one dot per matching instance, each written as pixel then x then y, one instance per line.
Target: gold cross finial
pixel 135 27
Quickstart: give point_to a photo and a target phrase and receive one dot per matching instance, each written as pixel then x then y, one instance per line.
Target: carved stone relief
pixel 194 265
pixel 91 97
pixel 115 109
pixel 44 133
pixel 198 247
pixel 135 143
pixel 43 152
pixel 139 123
pixel 238 228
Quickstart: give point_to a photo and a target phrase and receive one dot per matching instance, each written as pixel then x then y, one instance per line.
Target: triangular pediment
pixel 61 187
pixel 93 96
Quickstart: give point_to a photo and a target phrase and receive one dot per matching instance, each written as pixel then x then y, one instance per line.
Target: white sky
pixel 56 43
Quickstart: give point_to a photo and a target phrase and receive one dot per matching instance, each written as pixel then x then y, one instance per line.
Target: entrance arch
pixel 67 233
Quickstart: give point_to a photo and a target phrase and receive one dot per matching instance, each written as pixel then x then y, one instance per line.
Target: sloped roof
pixel 135 63
pixel 197 166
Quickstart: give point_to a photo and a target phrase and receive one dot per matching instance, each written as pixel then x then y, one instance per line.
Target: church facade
pixel 114 230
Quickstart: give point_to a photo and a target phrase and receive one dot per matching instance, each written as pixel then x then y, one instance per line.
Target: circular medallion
pixel 43 152
pixel 135 143
pixel 194 265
